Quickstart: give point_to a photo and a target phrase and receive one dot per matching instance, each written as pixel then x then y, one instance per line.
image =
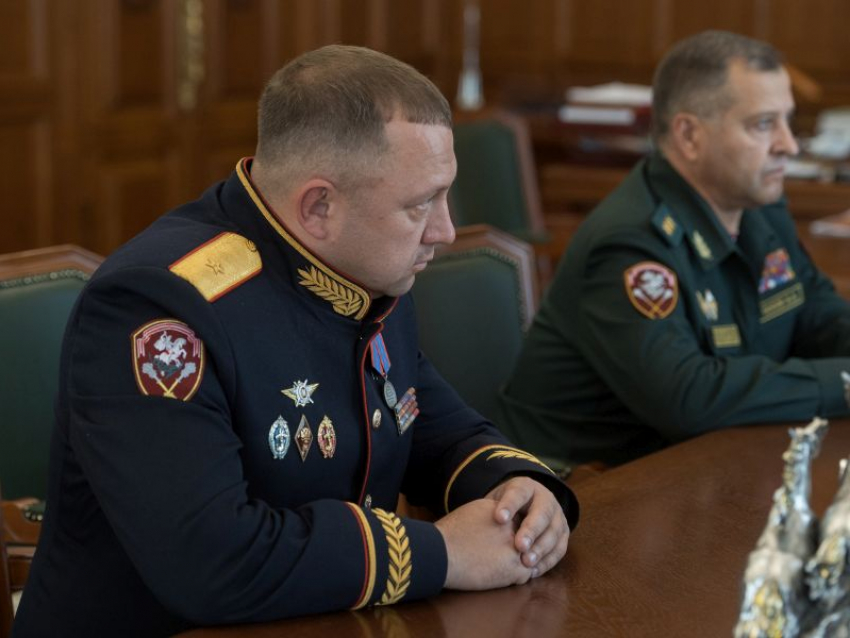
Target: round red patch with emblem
pixel 168 359
pixel 652 289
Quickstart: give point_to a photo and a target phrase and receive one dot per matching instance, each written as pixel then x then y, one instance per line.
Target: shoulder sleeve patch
pixel 168 359
pixel 220 265
pixel 652 288
pixel 666 225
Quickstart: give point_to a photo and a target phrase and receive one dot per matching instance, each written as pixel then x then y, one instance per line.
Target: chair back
pixel 496 181
pixel 38 288
pixel 473 305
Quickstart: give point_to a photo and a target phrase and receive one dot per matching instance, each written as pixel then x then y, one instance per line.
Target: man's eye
pixel 424 207
pixel 764 124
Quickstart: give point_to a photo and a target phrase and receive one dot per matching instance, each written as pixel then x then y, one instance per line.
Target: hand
pixel 480 549
pixel 543 534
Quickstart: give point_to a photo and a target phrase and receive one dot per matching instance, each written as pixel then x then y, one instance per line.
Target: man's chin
pixel 771 193
pixel 396 289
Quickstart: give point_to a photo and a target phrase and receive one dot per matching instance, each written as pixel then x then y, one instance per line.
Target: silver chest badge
pixel 301 392
pixel 279 438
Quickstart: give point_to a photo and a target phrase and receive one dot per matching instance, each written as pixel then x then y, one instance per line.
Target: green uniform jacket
pixel 745 331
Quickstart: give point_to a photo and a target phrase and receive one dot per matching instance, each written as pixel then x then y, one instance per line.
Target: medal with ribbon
pixel 381 363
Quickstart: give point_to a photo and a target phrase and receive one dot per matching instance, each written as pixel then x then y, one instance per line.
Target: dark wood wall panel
pixel 131 196
pixel 236 63
pixel 608 32
pixel 813 35
pixel 23 47
pixel 26 128
pixel 218 164
pixel 688 19
pixel 24 170
pixel 412 30
pixel 507 49
pixel 134 42
pixel 113 111
pixel 124 105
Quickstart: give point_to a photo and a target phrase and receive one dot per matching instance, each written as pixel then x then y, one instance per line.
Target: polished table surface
pixel 660 551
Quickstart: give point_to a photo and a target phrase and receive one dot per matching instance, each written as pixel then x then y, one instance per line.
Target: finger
pixel 552 558
pixel 522 574
pixel 544 508
pixel 515 496
pixel 545 543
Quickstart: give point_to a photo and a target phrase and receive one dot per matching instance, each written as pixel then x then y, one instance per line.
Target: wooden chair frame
pixel 46 260
pixel 6 608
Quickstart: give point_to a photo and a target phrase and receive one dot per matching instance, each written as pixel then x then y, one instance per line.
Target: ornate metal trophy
pixel 775 603
pixel 828 571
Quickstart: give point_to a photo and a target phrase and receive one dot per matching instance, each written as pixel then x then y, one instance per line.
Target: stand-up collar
pixel 242 202
pixel 706 235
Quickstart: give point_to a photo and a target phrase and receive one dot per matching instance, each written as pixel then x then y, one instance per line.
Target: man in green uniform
pixel 685 302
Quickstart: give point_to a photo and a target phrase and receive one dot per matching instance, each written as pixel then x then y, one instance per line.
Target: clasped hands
pixel 515 533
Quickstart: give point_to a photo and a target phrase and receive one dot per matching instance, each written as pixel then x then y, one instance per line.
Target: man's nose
pixel 440 229
pixel 785 142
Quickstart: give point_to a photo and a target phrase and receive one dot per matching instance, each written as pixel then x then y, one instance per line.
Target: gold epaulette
pixel 220 265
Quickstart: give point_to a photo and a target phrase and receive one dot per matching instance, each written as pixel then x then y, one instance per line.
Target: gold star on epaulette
pixel 215 266
pixel 220 265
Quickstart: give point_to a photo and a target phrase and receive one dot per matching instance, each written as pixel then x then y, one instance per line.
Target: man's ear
pixel 687 133
pixel 314 204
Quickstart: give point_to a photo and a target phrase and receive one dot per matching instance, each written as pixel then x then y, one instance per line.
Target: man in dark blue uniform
pixel 242 397
pixel 685 302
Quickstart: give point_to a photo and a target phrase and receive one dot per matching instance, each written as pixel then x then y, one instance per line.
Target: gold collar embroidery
pixel 347 298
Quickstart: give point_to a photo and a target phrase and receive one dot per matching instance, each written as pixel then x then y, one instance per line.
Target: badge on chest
pixel 280 437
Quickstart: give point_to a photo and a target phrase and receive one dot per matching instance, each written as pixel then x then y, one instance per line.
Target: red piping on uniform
pixel 366 414
pixel 363 395
pixel 365 557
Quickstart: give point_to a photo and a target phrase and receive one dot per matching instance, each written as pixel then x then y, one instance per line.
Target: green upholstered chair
pixel 473 305
pixel 496 180
pixel 38 288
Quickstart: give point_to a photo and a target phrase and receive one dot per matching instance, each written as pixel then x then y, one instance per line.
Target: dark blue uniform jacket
pixel 180 492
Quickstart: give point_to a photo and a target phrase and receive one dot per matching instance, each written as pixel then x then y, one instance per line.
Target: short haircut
pixel 326 111
pixel 692 75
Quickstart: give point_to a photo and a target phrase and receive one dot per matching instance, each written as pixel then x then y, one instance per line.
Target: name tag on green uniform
pixel 726 336
pixel 780 303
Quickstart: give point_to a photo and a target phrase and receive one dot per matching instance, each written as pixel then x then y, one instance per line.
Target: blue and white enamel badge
pixel 279 438
pixel 301 392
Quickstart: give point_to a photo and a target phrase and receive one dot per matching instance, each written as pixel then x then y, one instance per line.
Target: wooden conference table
pixel 660 551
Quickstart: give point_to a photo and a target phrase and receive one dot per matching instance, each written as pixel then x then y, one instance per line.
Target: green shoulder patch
pixel 220 265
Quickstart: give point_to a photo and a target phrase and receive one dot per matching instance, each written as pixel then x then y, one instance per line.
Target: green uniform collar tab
pixel 706 236
pixel 665 223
